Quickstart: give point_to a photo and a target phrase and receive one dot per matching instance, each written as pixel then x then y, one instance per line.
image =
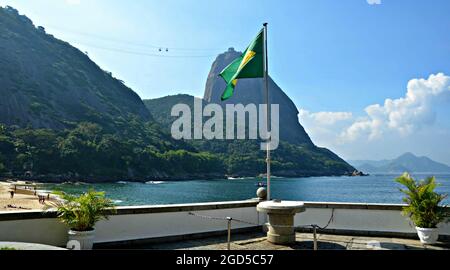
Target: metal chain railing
pixel 315 227
pixel 229 220
pixel 209 217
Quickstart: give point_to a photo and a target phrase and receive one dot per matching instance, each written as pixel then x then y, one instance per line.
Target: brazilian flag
pixel 249 65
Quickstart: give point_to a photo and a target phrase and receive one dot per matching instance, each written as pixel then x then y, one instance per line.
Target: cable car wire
pixel 131 42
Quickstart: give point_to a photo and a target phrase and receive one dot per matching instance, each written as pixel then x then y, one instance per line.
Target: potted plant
pixel 81 213
pixel 423 206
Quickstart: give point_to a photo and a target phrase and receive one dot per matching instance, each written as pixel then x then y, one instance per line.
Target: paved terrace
pixel 257 241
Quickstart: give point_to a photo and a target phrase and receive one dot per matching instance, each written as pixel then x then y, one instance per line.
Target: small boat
pixel 154 182
pixel 239 178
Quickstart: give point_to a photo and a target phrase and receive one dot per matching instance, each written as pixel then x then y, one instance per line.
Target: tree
pixel 37 147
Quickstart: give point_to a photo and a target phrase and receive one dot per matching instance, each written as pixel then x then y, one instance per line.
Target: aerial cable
pixel 132 43
pixel 119 50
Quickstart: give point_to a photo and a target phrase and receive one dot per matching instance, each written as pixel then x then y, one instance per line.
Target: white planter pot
pixel 428 236
pixel 81 240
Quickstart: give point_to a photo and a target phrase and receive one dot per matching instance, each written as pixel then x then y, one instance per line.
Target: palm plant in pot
pixel 81 213
pixel 423 206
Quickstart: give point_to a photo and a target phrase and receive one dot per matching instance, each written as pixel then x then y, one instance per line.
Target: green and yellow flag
pixel 249 65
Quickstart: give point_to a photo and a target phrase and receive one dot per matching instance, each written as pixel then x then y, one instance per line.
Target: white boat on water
pixel 154 182
pixel 240 178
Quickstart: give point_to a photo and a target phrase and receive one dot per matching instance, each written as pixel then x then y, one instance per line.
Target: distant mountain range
pixel 405 163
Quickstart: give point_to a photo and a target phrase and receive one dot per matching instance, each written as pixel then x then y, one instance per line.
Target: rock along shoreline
pixel 173 178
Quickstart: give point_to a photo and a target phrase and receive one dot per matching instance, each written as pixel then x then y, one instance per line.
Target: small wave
pixel 81 184
pixel 74 183
pixel 122 182
pixel 117 201
pixel 155 182
pixel 65 183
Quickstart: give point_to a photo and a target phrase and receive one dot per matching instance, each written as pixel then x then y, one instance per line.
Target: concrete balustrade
pixel 173 222
pixel 131 224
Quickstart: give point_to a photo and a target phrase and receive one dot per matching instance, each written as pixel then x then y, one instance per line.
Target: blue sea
pixel 370 189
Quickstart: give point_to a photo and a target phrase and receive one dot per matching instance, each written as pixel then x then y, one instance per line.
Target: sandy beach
pixel 20 202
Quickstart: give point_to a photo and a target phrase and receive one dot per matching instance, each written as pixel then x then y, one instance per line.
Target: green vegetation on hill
pixel 141 152
pixel 89 153
pixel 244 157
pixel 63 118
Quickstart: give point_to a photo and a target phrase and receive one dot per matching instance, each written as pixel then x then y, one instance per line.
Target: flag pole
pixel 266 85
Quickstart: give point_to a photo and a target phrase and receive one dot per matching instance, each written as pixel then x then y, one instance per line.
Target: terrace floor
pixel 257 241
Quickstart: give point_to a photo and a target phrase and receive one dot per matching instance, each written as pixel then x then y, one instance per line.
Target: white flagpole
pixel 266 85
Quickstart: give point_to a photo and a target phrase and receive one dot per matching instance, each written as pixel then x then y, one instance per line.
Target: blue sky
pixel 334 58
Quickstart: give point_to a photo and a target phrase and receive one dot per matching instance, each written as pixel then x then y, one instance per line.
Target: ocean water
pixel 370 189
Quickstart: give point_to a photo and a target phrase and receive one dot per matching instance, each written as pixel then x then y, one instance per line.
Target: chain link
pixel 256 224
pixel 317 226
pixel 210 218
pixel 230 220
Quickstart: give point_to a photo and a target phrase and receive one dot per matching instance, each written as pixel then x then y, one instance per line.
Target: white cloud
pixel 404 115
pixel 322 126
pixel 325 118
pixel 396 117
pixel 388 129
pixel 374 2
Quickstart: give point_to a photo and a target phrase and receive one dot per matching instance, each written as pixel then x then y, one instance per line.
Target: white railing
pixel 130 223
pixel 175 222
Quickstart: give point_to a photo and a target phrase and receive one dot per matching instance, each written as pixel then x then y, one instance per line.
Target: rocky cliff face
pixel 252 91
pixel 47 83
pixel 297 156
